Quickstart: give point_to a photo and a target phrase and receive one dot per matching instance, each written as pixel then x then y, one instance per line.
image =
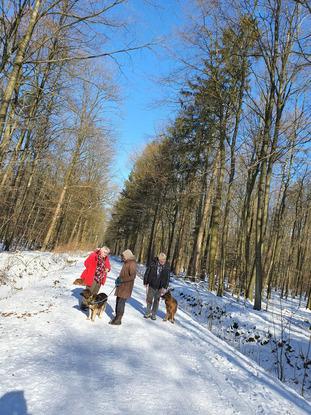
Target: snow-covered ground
pixel 53 361
pixel 279 339
pixel 19 270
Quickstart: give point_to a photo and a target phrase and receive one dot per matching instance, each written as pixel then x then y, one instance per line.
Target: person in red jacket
pixel 97 265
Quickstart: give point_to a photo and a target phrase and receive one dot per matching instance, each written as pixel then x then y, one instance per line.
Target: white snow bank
pixel 19 269
pixel 279 340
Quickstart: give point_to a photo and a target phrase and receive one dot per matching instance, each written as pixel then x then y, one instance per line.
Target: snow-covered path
pixel 53 361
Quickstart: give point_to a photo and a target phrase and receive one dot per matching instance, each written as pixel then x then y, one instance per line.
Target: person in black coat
pixel 157 277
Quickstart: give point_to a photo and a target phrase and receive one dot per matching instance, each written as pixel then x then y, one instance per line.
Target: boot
pixel 116 321
pixel 148 309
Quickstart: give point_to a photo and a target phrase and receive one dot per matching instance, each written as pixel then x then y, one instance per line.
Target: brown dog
pixel 96 303
pixel 78 281
pixel 171 306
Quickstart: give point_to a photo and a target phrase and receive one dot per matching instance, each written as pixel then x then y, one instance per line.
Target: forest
pixel 223 189
pixel 56 143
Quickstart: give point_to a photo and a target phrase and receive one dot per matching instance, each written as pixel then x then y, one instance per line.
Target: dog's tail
pixel 78 281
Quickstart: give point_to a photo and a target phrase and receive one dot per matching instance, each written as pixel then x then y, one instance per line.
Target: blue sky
pixel 138 116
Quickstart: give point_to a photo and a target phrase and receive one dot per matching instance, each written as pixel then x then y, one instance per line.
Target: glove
pixel 117 282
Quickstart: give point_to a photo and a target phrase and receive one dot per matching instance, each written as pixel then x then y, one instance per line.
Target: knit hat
pixel 128 254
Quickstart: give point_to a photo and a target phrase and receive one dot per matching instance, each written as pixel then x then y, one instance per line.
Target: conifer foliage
pixel 225 190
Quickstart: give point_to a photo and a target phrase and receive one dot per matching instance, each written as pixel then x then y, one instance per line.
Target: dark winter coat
pixel 127 276
pixel 153 280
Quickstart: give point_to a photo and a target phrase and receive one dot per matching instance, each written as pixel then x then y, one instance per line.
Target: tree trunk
pixel 14 75
pixel 216 213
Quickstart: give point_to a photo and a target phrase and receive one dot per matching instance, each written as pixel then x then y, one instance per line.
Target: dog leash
pixel 98 302
pixel 111 291
pixel 102 301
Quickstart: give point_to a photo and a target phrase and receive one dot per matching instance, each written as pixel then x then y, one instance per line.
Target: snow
pixel 278 340
pixel 54 361
pixel 19 270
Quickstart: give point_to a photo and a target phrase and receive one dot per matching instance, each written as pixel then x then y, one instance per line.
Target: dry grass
pixel 73 247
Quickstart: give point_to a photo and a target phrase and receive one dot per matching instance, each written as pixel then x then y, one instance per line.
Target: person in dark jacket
pixel 124 284
pixel 156 278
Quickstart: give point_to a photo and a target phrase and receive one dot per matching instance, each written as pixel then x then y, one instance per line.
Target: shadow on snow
pixel 13 403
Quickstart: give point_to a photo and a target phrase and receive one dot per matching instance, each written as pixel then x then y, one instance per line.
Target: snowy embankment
pixel 19 270
pixel 54 361
pixel 279 340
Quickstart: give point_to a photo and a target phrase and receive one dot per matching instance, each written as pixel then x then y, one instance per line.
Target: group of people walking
pixel 156 280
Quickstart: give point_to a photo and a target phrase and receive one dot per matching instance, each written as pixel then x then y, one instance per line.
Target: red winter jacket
pixel 90 265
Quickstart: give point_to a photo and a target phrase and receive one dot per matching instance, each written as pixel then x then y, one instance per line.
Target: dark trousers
pixel 120 305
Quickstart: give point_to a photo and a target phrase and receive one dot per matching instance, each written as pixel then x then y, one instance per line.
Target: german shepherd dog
pixel 96 303
pixel 171 306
